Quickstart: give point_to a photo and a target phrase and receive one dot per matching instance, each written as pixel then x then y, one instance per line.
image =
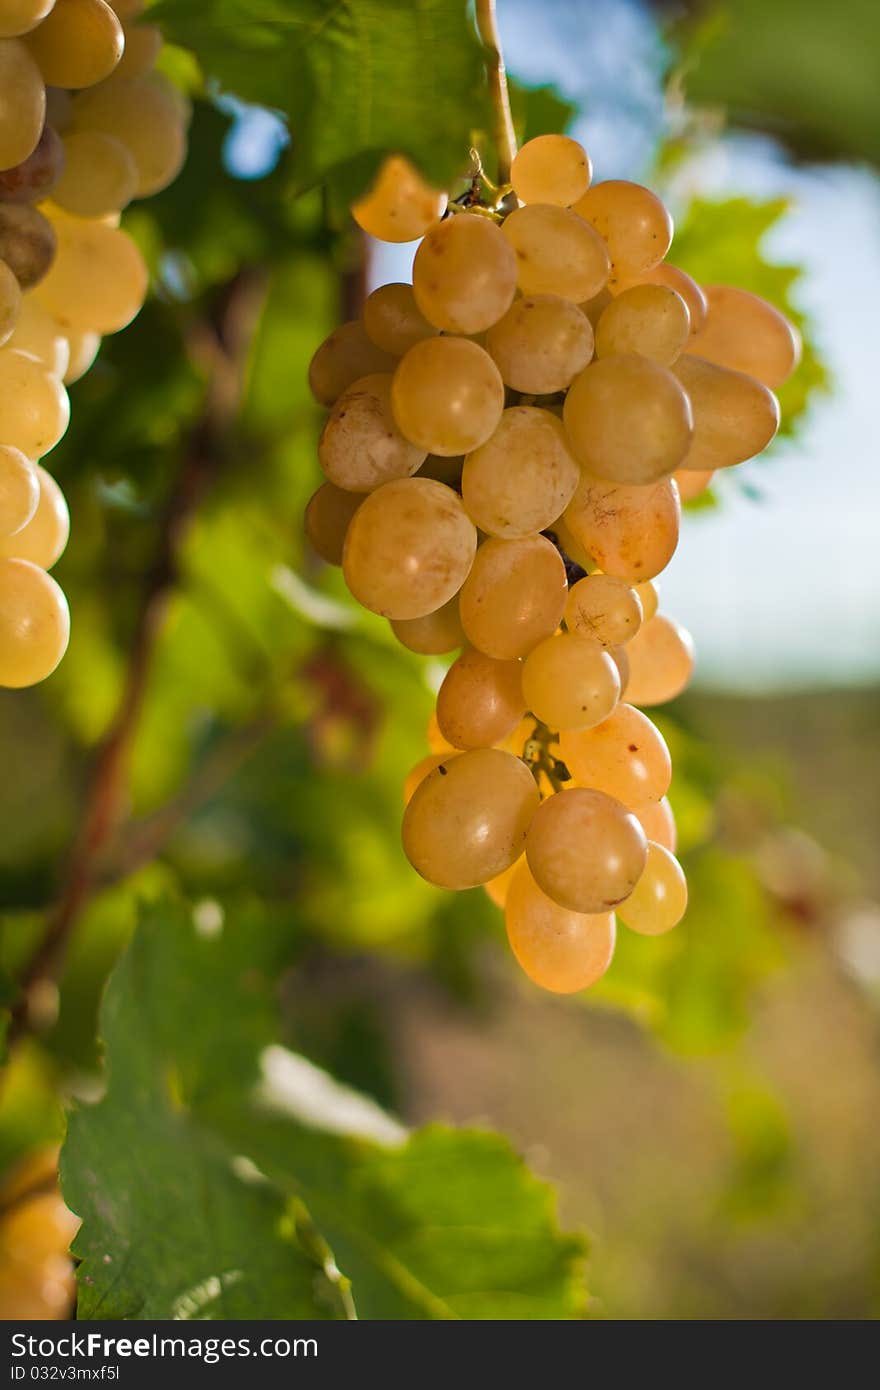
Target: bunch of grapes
pixel 36 1228
pixel 508 440
pixel 86 125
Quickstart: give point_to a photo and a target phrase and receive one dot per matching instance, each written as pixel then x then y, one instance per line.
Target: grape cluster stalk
pixel 508 441
pixel 86 125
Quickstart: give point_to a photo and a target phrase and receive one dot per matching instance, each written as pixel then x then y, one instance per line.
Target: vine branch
pixel 505 137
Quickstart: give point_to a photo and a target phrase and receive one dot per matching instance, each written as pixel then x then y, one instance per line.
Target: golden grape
pixel 400 205
pixel 468 819
pixel 560 950
pixel 675 279
pixel 586 851
pixel 605 608
pixel 343 358
pixel 34 408
pixel 541 344
pixel 557 252
pixel 630 532
pixel 328 512
pixel 19 16
pixel 633 223
pixel 661 662
pixel 649 320
pixel 658 823
pixel 648 597
pixel 523 477
pixel 10 303
pixel 447 396
pixel 361 447
pixel 659 900
pixel 692 482
pixel 570 682
pixel 19 491
pixel 146 116
pixel 22 103
pixel 480 701
pixel 34 624
pixel 625 756
pixel 746 334
pixel 735 416
pixel 78 44
pixel 514 596
pixel 44 536
pixel 38 333
pixel 419 772
pixel 551 169
pixel 98 280
pixel 83 348
pixel 464 274
pixel 435 633
pixel 100 175
pixel 393 319
pixel 409 548
pixel 628 420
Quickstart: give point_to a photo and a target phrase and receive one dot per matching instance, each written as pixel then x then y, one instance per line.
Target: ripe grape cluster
pixel 508 441
pixel 36 1228
pixel 86 125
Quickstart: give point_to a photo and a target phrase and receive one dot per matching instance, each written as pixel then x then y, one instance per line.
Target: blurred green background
pixel 708 1114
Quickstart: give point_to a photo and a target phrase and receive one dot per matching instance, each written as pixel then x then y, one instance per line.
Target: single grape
pixel 19 492
pixel 100 175
pixel 570 682
pixel 659 900
pixel 143 44
pixel 22 103
pixel 435 634
pixel 464 274
pixel 523 477
pixel 343 358
pixel 746 334
pixel 36 177
pixel 551 169
pixel 480 700
pixel 327 515
pixel 586 851
pixel 621 660
pixel 19 16
pixel 605 608
pixel 78 44
pixel 44 536
pixel 560 950
pixel 38 1228
pixel 83 349
pixel 628 420
pixel 692 482
pixel 10 303
pixel 633 223
pixel 630 532
pixel 557 252
pixel 658 823
pixel 735 416
pixel 79 298
pixel 648 597
pixel 400 205
pixel 37 333
pixel 447 396
pixel 514 596
pixel 147 117
pixel 409 548
pixel 419 772
pixel 361 447
pixel 468 819
pixel 394 321
pixel 683 284
pixel 34 409
pixel 27 243
pixel 661 660
pixel 34 624
pixel 541 344
pixel 649 320
pixel 625 756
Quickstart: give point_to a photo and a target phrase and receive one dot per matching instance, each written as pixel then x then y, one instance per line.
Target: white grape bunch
pixel 509 441
pixel 86 125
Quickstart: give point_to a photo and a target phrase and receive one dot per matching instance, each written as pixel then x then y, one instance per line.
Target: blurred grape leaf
pixel 803 68
pixel 354 80
pixel 208 1189
pixel 721 243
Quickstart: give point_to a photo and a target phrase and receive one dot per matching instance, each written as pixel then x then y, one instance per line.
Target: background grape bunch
pixel 508 444
pixel 86 125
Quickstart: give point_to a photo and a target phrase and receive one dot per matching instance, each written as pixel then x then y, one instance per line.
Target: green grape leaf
pixel 353 80
pixel 223 1176
pixel 721 243
pixel 803 68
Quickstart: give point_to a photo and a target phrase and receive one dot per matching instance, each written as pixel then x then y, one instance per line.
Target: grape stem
pixel 505 138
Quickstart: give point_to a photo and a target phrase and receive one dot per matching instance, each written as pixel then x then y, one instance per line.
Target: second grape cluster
pixel 508 441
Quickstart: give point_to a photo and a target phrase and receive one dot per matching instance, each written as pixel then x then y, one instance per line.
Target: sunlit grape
pixel 44 536
pixel 146 116
pixel 631 532
pixel 625 756
pixel 560 950
pixel 661 659
pixel 435 633
pixel 742 331
pixel 34 624
pixel 523 477
pixel 400 205
pixel 648 598
pixel 633 223
pixel 468 819
pixel 586 851
pixel 361 446
pixel 551 169
pixel 419 772
pixel 100 175
pixel 464 274
pixel 327 515
pixel 692 482
pixel 78 44
pixel 514 596
pixel 675 279
pixel 628 420
pixel 343 357
pixel 649 320
pixel 735 416
pixel 19 16
pixel 659 900
pixel 480 700
pixel 34 408
pixel 19 491
pixel 541 343
pixel 556 252
pixel 409 548
pixel 570 682
pixel 447 396
pixel 605 608
pixel 23 103
pixel 83 349
pixel 393 320
pixel 39 334
pixel 98 279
